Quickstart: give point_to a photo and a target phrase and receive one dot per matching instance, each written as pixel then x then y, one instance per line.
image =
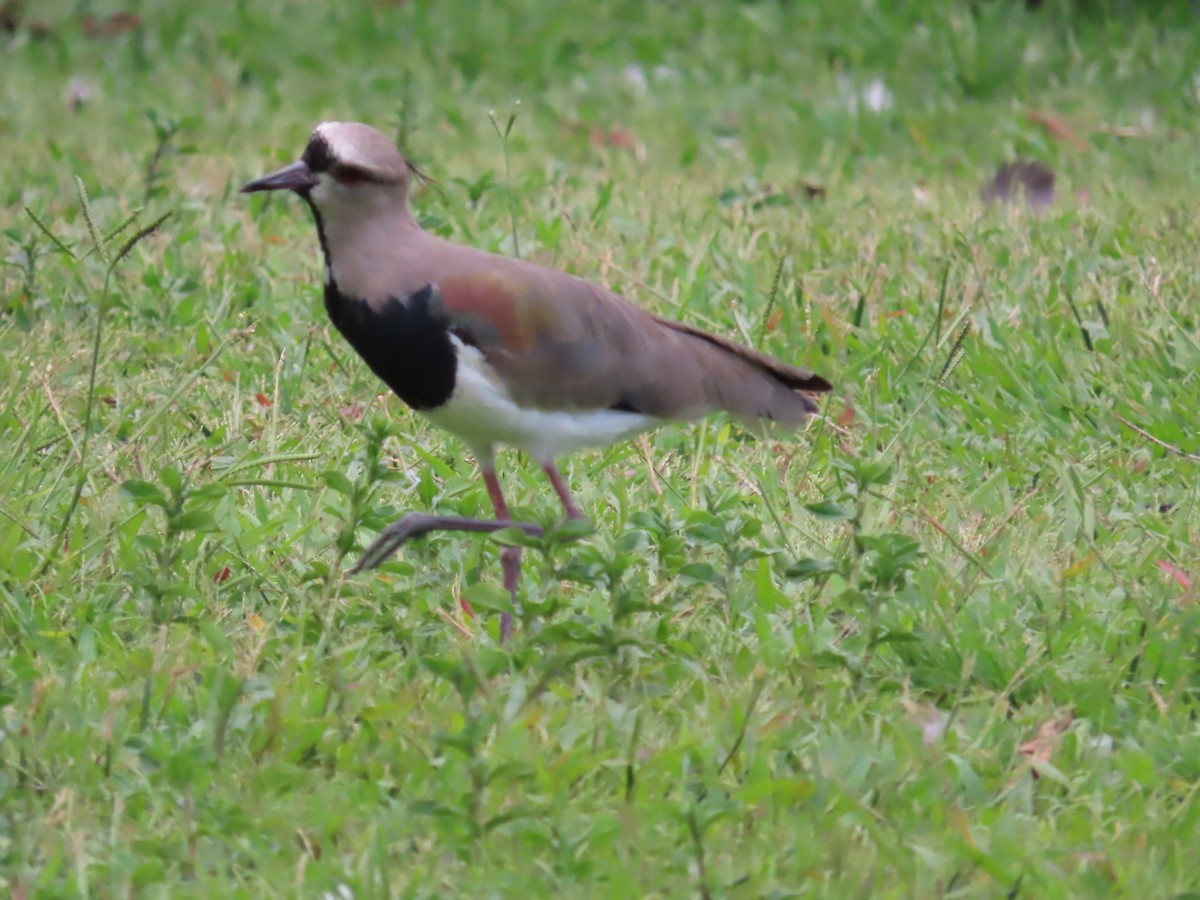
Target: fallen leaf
pixel 813 191
pixel 10 15
pixel 1125 131
pixel 620 139
pixel 1080 566
pixel 1013 179
pixel 1042 746
pixel 775 723
pixel 1178 575
pixel 263 399
pixel 957 819
pixel 221 575
pixel 1057 128
pixel 311 846
pixel 846 417
pixel 918 136
pixel 117 23
pixel 218 89
pixel 1098 861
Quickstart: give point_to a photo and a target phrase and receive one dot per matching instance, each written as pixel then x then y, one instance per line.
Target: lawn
pixel 941 643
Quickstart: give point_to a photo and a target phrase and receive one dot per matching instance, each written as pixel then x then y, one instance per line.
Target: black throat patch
pixel 307 197
pixel 405 342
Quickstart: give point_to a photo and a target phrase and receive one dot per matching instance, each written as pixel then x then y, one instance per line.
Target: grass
pixel 941 644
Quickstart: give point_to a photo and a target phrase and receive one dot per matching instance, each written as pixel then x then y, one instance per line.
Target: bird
pixel 500 351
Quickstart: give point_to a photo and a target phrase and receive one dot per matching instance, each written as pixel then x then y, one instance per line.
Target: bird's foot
pixel 417 524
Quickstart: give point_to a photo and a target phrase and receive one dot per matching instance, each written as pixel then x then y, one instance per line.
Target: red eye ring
pixel 348 177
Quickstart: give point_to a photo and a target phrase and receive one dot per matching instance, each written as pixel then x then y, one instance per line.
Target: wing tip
pixel 816 383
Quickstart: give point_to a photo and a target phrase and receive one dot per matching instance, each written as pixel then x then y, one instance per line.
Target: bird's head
pixel 348 169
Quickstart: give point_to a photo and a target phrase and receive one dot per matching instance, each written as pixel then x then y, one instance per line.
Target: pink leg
pixel 414 525
pixel 510 557
pixel 564 493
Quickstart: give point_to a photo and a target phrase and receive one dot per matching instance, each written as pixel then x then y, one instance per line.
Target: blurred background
pixel 828 93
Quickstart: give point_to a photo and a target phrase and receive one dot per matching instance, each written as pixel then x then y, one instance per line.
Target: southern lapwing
pixel 501 351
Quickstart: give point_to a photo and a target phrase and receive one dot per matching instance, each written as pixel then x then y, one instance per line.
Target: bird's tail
pixel 755 385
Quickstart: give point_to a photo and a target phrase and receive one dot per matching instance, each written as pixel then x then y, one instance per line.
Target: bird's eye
pixel 349 176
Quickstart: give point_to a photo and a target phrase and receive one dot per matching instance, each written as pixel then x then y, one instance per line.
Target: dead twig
pixel 1170 448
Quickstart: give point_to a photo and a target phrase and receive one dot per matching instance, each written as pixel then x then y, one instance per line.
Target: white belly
pixel 483 415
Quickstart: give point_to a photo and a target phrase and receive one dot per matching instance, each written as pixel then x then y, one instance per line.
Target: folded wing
pixel 558 342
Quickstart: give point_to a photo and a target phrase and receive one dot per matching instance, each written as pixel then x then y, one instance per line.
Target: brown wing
pixel 559 342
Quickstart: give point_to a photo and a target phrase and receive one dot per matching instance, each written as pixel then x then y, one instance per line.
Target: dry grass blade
pixel 1170 448
pixel 1057 128
pixel 424 179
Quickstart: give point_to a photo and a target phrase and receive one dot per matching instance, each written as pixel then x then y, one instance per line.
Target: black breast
pixel 404 343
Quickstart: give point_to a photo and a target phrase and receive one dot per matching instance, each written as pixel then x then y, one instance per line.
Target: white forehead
pixel 361 145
